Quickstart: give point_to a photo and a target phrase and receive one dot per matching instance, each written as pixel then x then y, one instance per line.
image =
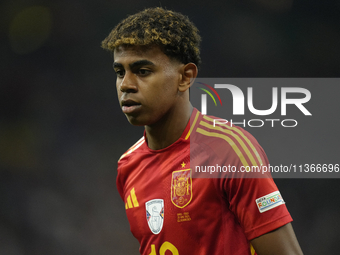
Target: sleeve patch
pixel 269 201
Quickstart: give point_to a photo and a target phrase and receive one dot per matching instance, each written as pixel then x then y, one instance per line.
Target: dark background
pixel 62 132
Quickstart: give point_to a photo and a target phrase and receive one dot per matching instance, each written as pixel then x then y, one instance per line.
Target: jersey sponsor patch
pixel 155 215
pixel 181 188
pixel 269 201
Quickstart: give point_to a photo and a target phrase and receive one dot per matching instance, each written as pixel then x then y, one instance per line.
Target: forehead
pixel 130 53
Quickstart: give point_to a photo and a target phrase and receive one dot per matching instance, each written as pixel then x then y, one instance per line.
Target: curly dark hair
pixel 173 32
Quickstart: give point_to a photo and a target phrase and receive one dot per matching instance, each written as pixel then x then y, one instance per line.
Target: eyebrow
pixel 115 65
pixel 142 62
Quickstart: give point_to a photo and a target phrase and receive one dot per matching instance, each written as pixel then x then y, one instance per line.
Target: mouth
pixel 129 106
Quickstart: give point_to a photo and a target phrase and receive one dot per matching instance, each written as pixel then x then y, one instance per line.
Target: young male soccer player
pixel 156 54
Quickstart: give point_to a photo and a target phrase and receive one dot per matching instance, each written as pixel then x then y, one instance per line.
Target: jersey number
pixel 166 246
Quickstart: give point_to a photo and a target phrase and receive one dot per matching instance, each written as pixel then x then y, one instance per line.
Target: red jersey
pixel 169 210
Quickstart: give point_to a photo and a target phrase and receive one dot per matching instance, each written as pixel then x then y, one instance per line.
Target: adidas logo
pixel 131 200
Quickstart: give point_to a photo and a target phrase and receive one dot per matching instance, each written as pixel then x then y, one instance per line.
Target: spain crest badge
pixel 181 188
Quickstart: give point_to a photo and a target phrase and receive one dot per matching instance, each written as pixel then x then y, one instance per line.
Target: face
pixel 147 83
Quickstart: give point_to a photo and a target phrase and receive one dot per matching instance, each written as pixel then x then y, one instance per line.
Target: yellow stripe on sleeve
pixel 244 147
pixel 134 198
pixel 227 139
pixel 243 136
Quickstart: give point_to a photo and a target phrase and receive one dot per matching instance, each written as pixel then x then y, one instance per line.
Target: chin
pixel 135 121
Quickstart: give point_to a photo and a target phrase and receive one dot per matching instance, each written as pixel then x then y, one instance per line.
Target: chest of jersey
pixel 167 208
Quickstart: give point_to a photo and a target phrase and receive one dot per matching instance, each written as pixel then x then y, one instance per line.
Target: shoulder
pixel 224 139
pixel 133 148
pixel 211 129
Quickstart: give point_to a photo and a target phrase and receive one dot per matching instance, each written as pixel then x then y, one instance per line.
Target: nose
pixel 128 83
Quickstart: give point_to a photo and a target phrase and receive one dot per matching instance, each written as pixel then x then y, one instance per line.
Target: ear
pixel 188 75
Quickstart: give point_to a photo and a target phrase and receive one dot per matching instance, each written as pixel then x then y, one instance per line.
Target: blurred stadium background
pixel 62 132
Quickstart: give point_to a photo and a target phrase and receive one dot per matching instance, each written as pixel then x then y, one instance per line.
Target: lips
pixel 130 106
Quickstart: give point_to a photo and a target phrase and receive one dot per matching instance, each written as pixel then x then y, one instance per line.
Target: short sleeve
pixel 246 198
pixel 256 202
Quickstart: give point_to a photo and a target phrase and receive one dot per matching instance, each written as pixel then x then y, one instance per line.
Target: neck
pixel 167 131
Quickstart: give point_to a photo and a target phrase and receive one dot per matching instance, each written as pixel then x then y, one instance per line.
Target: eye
pixel 120 73
pixel 143 72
